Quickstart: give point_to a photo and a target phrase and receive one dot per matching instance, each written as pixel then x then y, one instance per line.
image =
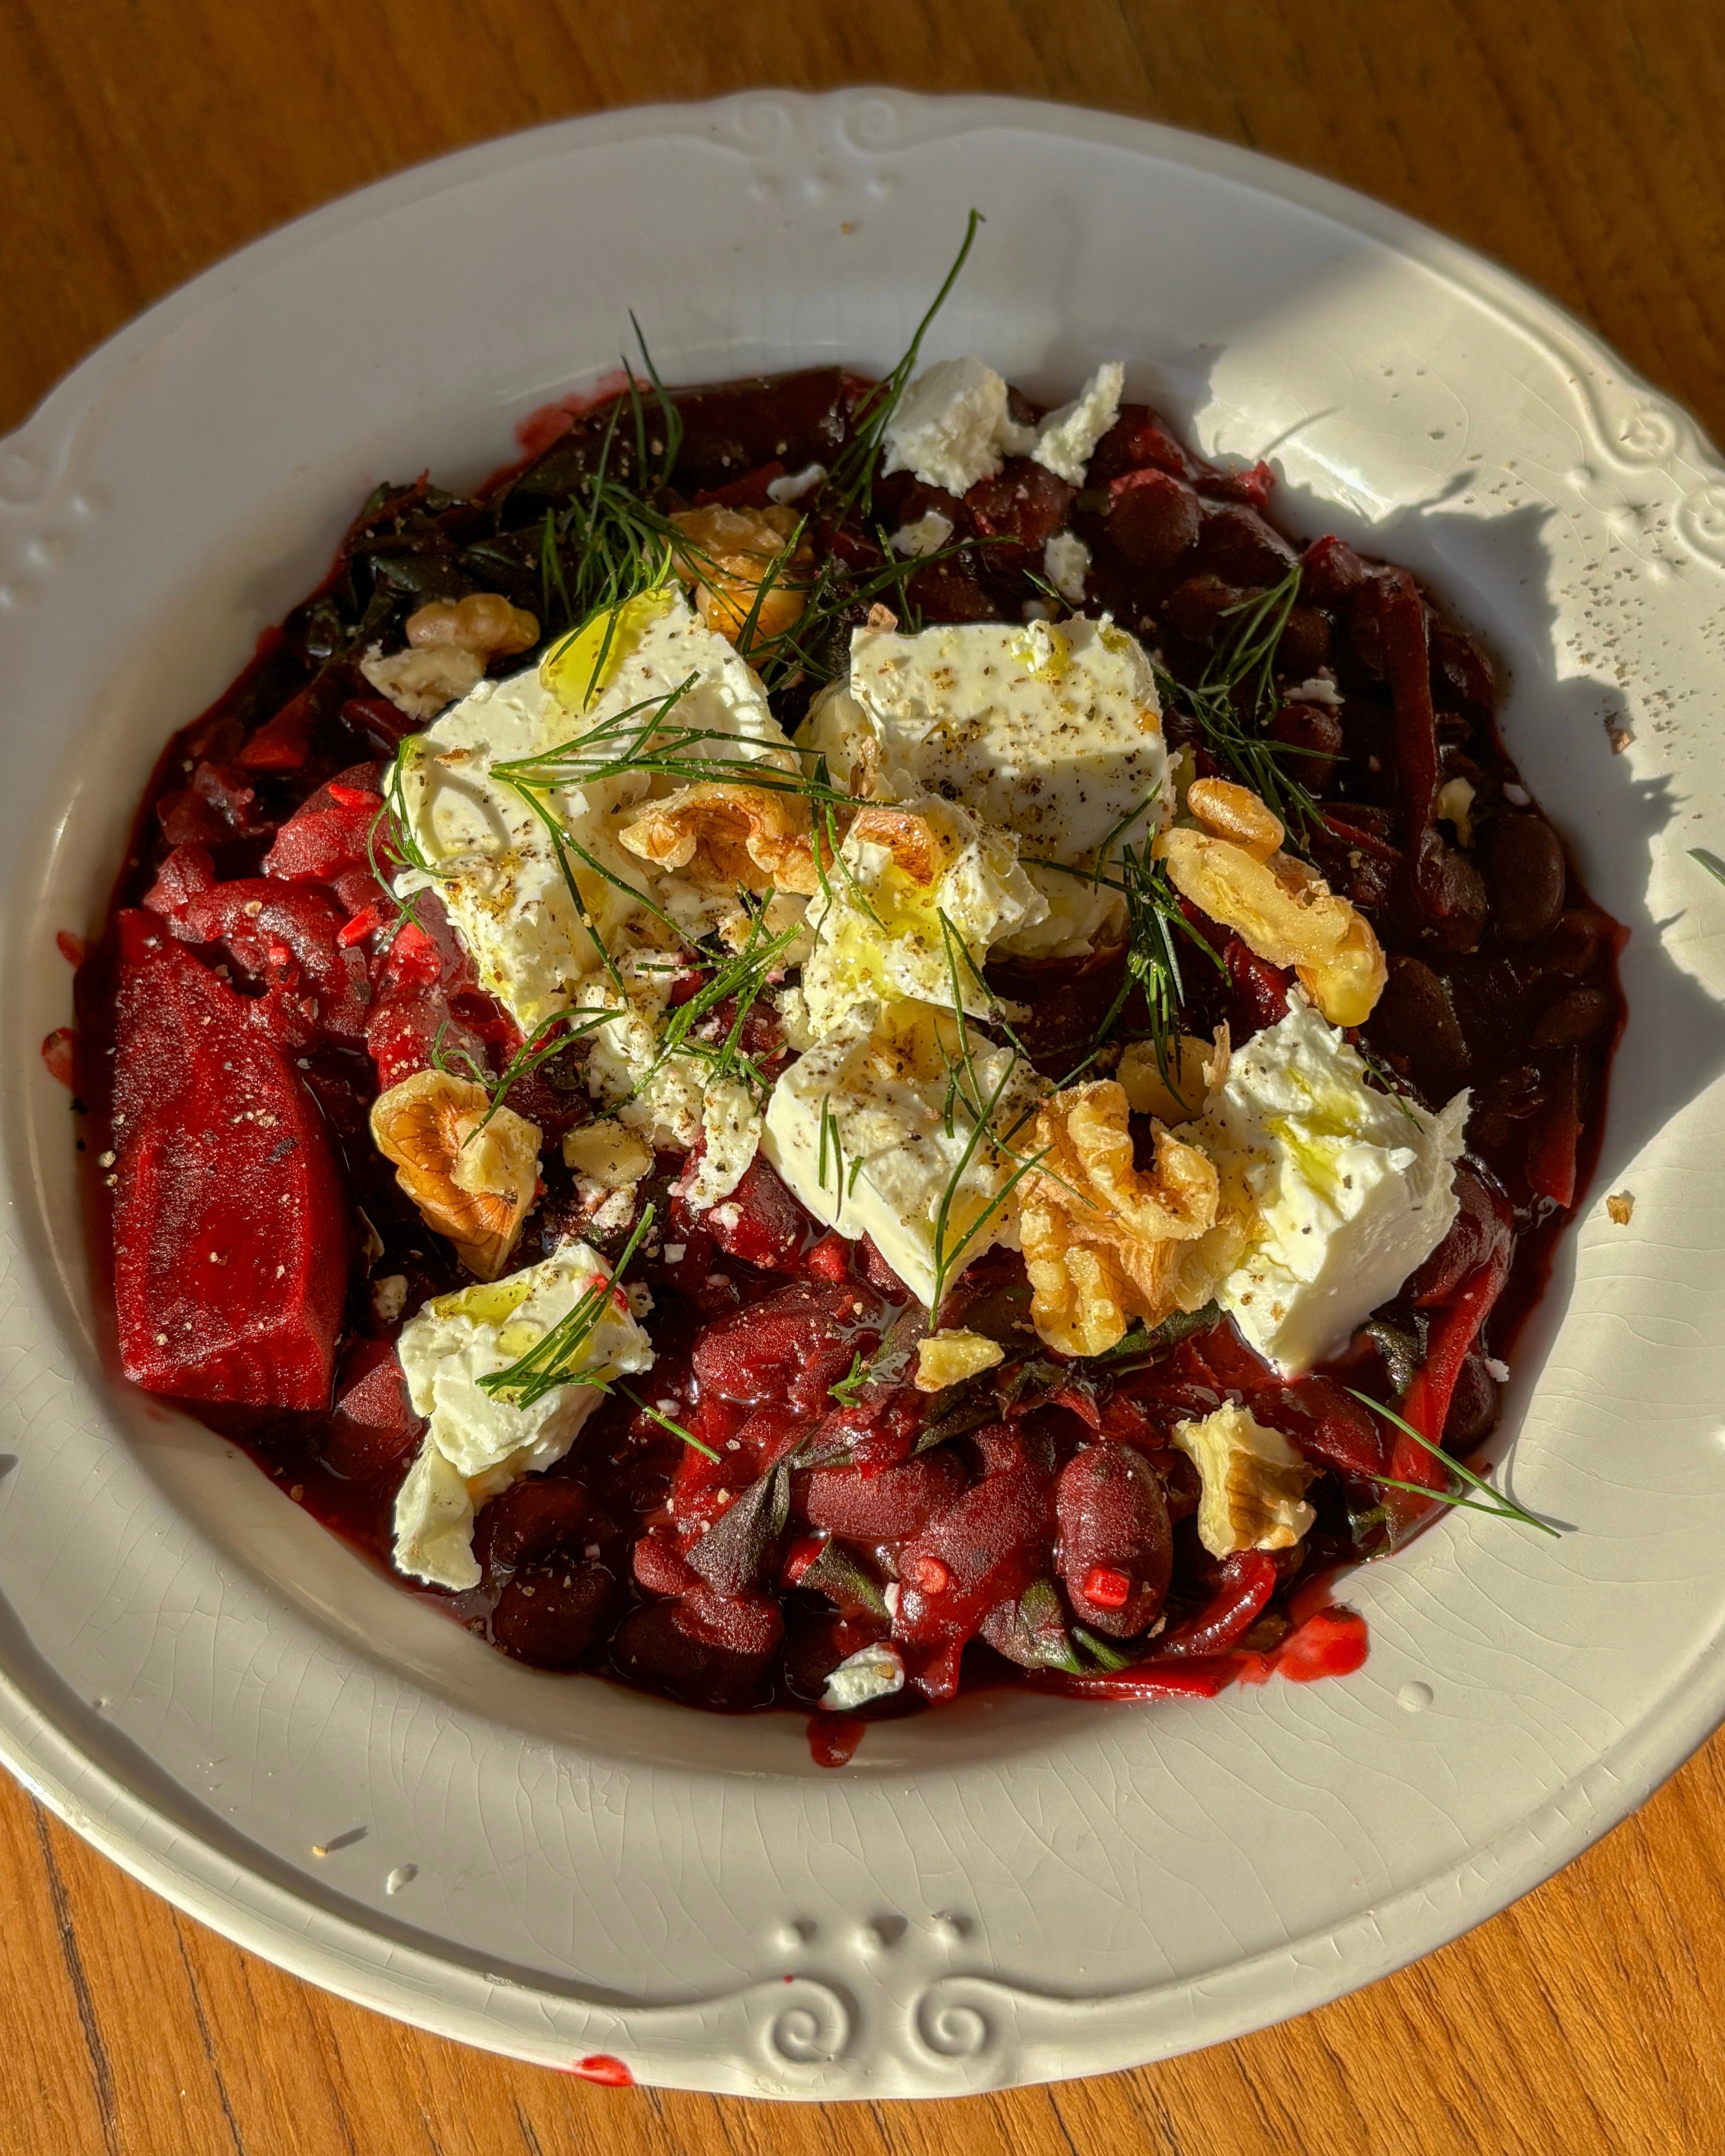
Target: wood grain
pixel 1576 141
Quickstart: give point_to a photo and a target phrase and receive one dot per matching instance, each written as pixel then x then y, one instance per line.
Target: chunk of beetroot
pixel 287 939
pixel 761 1222
pixel 1117 1547
pixel 332 832
pixel 536 1522
pixel 889 1507
pixel 373 1430
pixel 788 1348
pixel 230 1225
pixel 716 1655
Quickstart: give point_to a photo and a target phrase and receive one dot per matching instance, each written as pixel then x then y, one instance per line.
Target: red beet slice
pixel 230 1226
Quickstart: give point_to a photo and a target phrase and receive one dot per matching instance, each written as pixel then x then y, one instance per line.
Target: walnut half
pixel 1253 1482
pixel 474 1185
pixel 1105 1241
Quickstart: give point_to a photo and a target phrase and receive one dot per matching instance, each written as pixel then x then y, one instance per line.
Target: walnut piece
pixel 728 554
pixel 484 622
pixel 1282 909
pixel 947 1358
pixel 1105 1241
pixel 726 837
pixel 1253 1483
pixel 474 1185
pixel 1194 1072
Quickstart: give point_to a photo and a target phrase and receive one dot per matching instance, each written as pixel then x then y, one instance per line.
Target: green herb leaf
pixel 1502 1506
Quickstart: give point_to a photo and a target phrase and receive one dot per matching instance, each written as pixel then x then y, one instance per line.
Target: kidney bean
pixel 1415 1025
pixel 1195 608
pixel 1023 505
pixel 1138 437
pixel 1553 1143
pixel 897 1503
pixel 528 1523
pixel 1483 1227
pixel 1331 570
pixel 1238 543
pixel 1525 875
pixel 551 1615
pixel 1461 672
pixel 734 427
pixel 1314 732
pixel 1327 1424
pixel 1575 1017
pixel 1475 1405
pixel 715 1655
pixel 1260 992
pixel 1305 645
pixel 1153 518
pixel 1450 892
pixel 816 1646
pixel 1117 1547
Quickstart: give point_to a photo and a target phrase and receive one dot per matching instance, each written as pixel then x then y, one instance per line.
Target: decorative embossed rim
pixel 787 2038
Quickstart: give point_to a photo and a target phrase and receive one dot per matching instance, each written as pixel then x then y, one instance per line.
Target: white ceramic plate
pixel 198 1678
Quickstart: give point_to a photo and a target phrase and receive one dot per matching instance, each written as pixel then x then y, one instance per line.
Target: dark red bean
pixel 1305 643
pixel 1023 505
pixel 890 1506
pixel 1195 608
pixel 1483 1226
pixel 788 1349
pixel 1153 518
pixel 1331 571
pixel 1461 672
pixel 1526 874
pixel 1116 1546
pixel 551 1615
pixel 1579 1015
pixel 761 1222
pixel 1474 1405
pixel 1314 732
pixel 987 1546
pixel 1415 1025
pixel 1239 544
pixel 710 1660
pixel 527 1523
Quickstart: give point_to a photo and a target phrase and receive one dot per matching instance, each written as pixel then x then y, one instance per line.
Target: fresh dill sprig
pixel 848 1391
pixel 741 979
pixel 555 1360
pixel 1503 1506
pixel 1234 700
pixel 832 1143
pixel 1386 1078
pixel 1714 867
pixel 948 1254
pixel 541 1046
pixel 852 480
pixel 664 1422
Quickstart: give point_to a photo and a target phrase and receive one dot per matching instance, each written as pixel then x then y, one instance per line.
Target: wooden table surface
pixel 1576 140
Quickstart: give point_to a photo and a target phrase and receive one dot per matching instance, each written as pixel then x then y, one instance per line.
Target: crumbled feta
pixel 792 486
pixel 389 1297
pixel 1052 732
pixel 496 866
pixel 927 534
pixel 860 1129
pixel 952 427
pixel 1321 689
pixel 1333 1192
pixel 1065 562
pixel 880 933
pixel 1066 439
pixel 477 1445
pixel 1253 1482
pixel 731 1131
pixel 872 1672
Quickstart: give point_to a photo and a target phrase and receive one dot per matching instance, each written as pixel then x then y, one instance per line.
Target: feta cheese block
pixel 860 1128
pixel 1332 1193
pixel 880 929
pixel 1049 731
pixel 477 1444
pixel 730 1137
pixel 493 862
pixel 875 1672
pixel 1066 439
pixel 952 427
